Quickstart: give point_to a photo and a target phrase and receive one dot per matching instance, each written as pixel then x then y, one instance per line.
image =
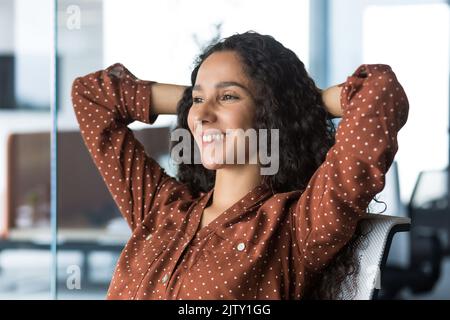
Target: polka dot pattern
pixel 375 108
pixel 265 246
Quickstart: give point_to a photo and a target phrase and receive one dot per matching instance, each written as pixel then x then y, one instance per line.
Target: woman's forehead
pixel 221 67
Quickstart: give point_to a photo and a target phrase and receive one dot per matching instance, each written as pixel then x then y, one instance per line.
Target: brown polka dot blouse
pixel 265 246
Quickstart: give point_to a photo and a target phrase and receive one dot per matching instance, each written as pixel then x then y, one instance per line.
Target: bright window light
pixel 413 40
pixel 158 40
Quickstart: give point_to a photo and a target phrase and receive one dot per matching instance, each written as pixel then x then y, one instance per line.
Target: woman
pixel 223 230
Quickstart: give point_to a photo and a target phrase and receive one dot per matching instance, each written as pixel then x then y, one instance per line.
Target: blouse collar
pixel 249 201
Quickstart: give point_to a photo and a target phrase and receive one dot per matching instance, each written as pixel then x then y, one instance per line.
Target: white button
pixel 165 278
pixel 149 237
pixel 241 246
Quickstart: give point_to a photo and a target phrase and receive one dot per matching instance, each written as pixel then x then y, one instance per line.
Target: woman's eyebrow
pixel 222 84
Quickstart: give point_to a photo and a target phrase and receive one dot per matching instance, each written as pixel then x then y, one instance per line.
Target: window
pixel 413 39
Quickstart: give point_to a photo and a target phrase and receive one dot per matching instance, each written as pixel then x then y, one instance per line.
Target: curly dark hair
pixel 287 99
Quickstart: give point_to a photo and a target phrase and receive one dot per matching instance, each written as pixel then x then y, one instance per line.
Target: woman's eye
pixel 224 97
pixel 229 96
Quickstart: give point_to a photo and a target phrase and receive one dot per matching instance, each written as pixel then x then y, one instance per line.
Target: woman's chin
pixel 210 164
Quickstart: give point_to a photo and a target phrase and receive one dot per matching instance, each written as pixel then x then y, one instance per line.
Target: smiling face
pixel 222 101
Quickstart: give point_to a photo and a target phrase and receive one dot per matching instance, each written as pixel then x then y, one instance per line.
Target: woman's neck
pixel 233 183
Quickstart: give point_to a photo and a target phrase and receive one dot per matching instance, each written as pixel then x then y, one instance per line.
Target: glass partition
pixel 26 99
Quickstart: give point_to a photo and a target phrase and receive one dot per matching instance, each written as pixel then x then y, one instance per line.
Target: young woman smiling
pixel 223 230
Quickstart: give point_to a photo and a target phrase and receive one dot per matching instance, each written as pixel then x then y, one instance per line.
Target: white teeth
pixel 211 137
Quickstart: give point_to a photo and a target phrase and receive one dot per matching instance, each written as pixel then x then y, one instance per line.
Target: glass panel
pixel 156 41
pixel 25 126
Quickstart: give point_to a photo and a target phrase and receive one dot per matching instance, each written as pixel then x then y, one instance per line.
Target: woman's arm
pixel 375 108
pixel 165 98
pixel 331 98
pixel 105 102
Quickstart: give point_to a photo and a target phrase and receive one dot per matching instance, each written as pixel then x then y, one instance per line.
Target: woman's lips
pixel 208 138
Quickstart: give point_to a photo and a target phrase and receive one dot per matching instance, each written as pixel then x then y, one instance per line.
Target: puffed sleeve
pixel 375 108
pixel 105 102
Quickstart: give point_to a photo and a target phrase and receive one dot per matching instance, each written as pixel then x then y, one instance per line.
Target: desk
pixel 85 241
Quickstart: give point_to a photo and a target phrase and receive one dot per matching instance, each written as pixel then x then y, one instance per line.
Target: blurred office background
pixel 45 44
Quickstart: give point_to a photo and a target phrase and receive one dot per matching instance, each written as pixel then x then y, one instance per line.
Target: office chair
pixel 372 251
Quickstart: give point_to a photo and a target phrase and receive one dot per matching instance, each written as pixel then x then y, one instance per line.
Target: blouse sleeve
pixel 375 108
pixel 105 102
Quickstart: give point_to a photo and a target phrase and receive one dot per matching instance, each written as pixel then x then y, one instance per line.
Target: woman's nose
pixel 205 113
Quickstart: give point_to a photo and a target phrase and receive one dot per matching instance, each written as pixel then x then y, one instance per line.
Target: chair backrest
pixel 372 252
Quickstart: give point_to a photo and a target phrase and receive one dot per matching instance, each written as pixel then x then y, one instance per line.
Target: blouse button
pixel 165 278
pixel 241 246
pixel 149 237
